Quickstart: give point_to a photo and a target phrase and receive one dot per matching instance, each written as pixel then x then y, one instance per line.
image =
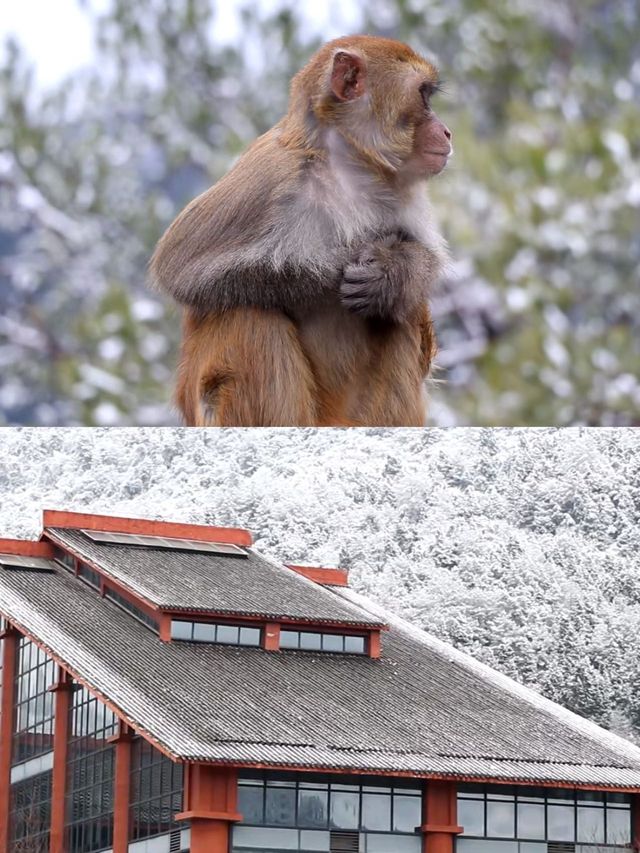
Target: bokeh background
pixel 115 113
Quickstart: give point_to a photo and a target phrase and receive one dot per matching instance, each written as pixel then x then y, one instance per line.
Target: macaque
pixel 305 271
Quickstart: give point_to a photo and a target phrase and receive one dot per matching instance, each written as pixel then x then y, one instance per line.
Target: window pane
pixel 344 810
pixel 530 821
pixel 501 820
pixel 376 812
pixel 332 642
pixel 591 825
pixel 250 803
pixel 228 634
pixel 407 813
pixel 618 826
pixel 471 816
pixel 560 823
pixel 313 808
pixel 355 645
pixel 310 641
pixel 181 630
pixel 250 636
pixel 281 806
pixel 204 633
pixel 471 845
pixel 289 639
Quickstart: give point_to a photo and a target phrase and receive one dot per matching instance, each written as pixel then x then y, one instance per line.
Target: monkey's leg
pixel 244 368
pixel 394 392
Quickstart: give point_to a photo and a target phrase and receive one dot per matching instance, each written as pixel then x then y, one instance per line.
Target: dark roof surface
pixel 185 580
pixel 422 708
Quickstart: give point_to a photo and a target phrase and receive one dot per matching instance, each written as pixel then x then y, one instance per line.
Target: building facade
pixel 166 688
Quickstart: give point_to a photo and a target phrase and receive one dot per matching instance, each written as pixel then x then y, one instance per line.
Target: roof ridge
pixel 626 748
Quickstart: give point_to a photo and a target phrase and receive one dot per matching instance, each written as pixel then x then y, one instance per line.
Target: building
pixel 166 688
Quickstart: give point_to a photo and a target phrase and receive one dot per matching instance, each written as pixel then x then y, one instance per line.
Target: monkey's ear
pixel 348 76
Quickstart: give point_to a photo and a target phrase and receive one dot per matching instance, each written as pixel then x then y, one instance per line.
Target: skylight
pixel 32 564
pixel 104 537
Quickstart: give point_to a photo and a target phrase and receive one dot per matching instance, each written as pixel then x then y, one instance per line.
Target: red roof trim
pixel 326 577
pixel 147 527
pixel 26 548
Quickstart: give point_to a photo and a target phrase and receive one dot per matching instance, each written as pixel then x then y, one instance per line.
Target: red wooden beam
pixel 440 817
pixel 121 789
pixel 9 662
pixel 147 527
pixel 26 548
pixel 62 691
pixel 211 803
pixel 326 577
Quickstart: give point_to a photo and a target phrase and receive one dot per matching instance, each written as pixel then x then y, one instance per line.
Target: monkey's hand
pixel 389 279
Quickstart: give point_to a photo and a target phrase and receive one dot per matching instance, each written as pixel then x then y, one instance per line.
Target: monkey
pixel 305 271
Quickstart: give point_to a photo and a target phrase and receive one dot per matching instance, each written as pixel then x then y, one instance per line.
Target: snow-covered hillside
pixel 519 546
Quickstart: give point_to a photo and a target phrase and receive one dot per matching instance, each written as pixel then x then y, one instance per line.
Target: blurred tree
pixel 538 323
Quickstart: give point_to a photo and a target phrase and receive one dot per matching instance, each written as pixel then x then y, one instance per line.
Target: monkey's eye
pixel 427 91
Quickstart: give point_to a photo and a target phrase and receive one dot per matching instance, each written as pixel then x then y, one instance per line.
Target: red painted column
pixel 635 822
pixel 211 802
pixel 271 637
pixel 440 817
pixel 9 661
pixel 121 788
pixel 61 690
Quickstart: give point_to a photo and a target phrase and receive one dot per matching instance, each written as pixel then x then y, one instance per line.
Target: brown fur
pixel 257 368
pixel 305 289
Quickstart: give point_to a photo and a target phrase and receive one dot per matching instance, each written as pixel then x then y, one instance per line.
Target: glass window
pixel 280 807
pixel 156 792
pixel 376 811
pixel 560 823
pixel 251 803
pixel 618 826
pixel 33 702
pixel 546 814
pixel 332 642
pixel 90 774
pixel 228 634
pixel 181 630
pixel 591 825
pixel 313 807
pixel 407 813
pixel 471 816
pixel 30 814
pixel 204 633
pixel 250 636
pixel 501 820
pixel 345 808
pixel 310 641
pixel 354 645
pixel 289 639
pixel 530 820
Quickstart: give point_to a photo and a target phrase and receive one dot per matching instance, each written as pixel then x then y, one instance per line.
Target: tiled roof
pixel 423 708
pixel 185 580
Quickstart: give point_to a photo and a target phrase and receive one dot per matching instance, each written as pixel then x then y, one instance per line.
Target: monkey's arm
pixel 390 278
pixel 231 247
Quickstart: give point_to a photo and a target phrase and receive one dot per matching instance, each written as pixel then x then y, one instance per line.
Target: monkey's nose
pixel 447 132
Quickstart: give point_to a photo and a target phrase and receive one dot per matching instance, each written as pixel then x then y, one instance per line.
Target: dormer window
pixel 319 642
pixel 209 632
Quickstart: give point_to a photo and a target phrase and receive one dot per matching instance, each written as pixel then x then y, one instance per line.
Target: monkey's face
pixel 431 146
